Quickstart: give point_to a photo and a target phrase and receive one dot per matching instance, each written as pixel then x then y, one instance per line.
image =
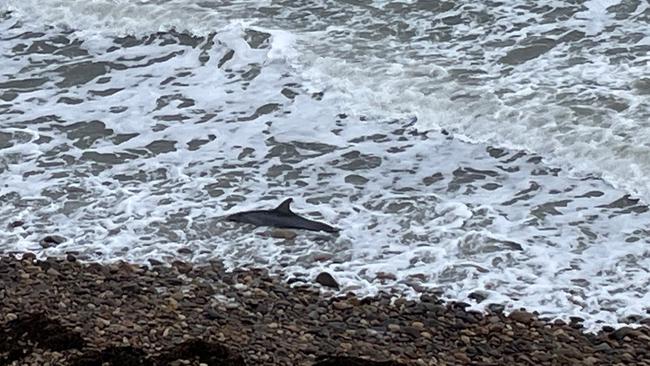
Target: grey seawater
pixel 567 80
pixel 136 147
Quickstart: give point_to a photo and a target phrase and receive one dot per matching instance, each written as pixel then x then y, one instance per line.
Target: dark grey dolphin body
pixel 282 217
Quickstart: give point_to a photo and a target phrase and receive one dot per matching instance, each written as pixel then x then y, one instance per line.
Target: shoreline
pixel 66 312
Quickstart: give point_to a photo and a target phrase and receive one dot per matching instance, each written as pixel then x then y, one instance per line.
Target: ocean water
pixel 498 147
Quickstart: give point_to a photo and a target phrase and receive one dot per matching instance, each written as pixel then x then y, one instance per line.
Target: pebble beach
pixel 65 312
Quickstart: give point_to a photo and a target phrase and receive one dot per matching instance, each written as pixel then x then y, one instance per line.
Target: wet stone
pixel 478 296
pixel 327 280
pixel 51 241
pixel 283 234
pixel 15 224
pixel 184 250
pixel 522 316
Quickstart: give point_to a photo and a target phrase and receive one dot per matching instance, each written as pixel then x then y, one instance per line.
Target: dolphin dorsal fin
pixel 284 206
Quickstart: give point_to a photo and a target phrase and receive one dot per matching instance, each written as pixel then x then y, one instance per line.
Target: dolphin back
pixel 281 217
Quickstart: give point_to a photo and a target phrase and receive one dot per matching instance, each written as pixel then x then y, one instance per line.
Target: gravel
pixel 69 312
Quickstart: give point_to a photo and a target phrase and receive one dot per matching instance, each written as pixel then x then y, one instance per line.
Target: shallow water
pixel 133 143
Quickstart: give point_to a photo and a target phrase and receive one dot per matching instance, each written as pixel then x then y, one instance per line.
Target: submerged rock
pixel 283 234
pixel 15 224
pixel 51 241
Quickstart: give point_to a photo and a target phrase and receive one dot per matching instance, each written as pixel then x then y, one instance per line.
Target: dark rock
pixel 576 322
pixel 496 308
pixel 293 280
pixel 326 279
pixel 623 332
pixel 16 224
pixel 478 296
pixel 51 241
pixel 29 257
pixel 212 313
pixel 154 262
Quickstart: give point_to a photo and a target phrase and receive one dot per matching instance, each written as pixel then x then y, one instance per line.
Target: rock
pixel 576 322
pixel 496 308
pixel 478 296
pixel 29 257
pixel 184 250
pixel 15 224
pixel 341 305
pixel 411 331
pixel 385 276
pixel 521 316
pixel 326 279
pixel 283 234
pixel 623 332
pixel 51 241
pixel 462 357
pixel 603 347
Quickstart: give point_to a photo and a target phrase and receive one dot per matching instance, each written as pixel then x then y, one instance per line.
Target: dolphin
pixel 281 217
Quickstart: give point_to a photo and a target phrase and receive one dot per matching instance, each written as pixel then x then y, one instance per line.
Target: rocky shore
pixel 63 312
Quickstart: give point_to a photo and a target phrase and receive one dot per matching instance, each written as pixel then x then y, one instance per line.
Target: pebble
pixel 603 347
pixel 341 305
pixel 393 327
pixel 417 325
pixel 521 316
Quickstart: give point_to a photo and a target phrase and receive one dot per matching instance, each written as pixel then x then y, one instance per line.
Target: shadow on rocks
pixel 207 353
pixel 352 361
pixel 117 356
pixel 24 333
